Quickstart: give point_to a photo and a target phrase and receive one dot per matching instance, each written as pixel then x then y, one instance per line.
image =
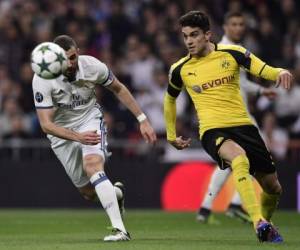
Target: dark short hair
pixel 195 18
pixel 64 41
pixel 231 14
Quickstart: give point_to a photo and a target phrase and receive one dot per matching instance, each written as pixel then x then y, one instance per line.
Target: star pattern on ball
pixel 60 58
pixel 44 48
pixel 43 65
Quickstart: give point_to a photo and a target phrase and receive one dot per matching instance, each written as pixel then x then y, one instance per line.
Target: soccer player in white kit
pixel 71 118
pixel 234 27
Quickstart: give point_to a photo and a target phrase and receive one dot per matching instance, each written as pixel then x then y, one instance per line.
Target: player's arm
pixel 259 68
pixel 174 88
pixel 125 97
pixel 45 116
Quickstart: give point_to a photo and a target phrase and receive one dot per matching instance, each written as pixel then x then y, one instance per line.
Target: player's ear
pixel 207 35
pixel 78 50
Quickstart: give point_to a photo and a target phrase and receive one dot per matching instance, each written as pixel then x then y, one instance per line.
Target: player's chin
pixel 193 52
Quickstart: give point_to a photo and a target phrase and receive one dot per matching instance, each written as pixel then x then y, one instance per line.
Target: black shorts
pixel 248 138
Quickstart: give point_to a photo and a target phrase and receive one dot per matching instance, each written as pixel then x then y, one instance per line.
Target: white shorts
pixel 70 153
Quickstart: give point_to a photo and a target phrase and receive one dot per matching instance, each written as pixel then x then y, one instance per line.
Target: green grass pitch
pixel 150 229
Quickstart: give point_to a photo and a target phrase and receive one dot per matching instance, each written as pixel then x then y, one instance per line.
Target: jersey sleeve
pixel 99 73
pixel 170 116
pixel 252 63
pixel 42 93
pixel 174 89
pixel 175 82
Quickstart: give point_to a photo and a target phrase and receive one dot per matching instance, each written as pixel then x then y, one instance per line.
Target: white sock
pixel 217 181
pixel 236 199
pixel 107 196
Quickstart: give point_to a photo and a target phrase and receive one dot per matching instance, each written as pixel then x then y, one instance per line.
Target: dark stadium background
pixel 138 40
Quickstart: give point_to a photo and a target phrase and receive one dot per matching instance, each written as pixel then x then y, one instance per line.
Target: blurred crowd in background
pixel 139 40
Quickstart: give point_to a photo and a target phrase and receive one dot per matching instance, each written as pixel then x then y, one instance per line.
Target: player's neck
pixel 210 47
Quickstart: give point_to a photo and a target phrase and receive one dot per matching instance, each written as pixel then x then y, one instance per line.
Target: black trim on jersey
pixel 262 69
pixel 47 107
pixel 172 91
pixel 240 57
pixel 109 75
pixel 176 79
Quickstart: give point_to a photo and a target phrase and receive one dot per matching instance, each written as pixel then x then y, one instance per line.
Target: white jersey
pixel 74 102
pixel 247 86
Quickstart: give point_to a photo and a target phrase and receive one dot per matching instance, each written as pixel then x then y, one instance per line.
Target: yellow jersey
pixel 213 84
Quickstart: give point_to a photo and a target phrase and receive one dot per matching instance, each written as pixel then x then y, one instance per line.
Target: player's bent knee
pixel 92 164
pixel 93 159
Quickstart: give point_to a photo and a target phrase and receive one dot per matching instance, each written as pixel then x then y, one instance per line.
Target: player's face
pixel 195 40
pixel 72 55
pixel 235 28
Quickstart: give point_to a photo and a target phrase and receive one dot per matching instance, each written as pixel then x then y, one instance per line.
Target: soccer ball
pixel 48 60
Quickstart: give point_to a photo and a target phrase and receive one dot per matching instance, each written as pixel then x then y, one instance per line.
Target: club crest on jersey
pixel 38 97
pixel 225 64
pixel 197 89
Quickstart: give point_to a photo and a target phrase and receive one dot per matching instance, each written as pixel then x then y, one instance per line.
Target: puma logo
pixel 192 74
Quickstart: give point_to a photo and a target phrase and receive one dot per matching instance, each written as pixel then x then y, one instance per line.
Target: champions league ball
pixel 48 60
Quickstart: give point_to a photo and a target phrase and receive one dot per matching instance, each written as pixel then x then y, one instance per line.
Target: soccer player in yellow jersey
pixel 234 31
pixel 210 75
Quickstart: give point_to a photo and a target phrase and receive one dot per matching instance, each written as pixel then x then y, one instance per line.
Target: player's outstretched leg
pixel 244 185
pixel 107 196
pixel 265 231
pixel 118 235
pixel 217 181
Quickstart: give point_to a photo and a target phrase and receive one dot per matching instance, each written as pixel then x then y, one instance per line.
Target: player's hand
pixel 89 138
pixel 270 93
pixel 181 143
pixel 284 79
pixel 148 132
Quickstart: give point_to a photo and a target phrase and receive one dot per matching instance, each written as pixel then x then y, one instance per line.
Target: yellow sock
pixel 269 203
pixel 244 185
